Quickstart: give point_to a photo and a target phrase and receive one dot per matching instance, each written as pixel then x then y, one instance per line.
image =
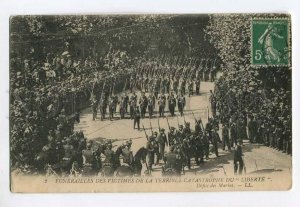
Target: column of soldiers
pixel 184 144
pixel 158 79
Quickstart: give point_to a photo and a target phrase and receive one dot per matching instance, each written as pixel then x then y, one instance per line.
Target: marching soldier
pixel 156 147
pixel 137 117
pixel 205 141
pixel 146 83
pixel 172 104
pixel 172 136
pixel 151 105
pixel 197 83
pixel 186 150
pixel 150 146
pixel 180 134
pixel 143 104
pixel 162 142
pixel 175 85
pixel 191 87
pixel 187 130
pixel 181 104
pixel 215 140
pixel 161 104
pixel 198 128
pixel 133 103
pixel 182 86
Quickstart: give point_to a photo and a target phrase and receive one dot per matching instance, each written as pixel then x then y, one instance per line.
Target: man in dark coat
pixel 238 158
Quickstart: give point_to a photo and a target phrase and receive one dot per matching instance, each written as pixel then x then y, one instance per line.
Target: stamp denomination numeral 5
pixel 258 55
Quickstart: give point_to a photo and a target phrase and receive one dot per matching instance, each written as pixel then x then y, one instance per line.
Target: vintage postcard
pixel 150 103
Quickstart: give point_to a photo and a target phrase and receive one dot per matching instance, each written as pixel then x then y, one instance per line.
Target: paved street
pixel 258 158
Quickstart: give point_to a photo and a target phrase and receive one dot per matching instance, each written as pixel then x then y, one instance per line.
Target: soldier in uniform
pixel 215 140
pixel 89 168
pixel 191 87
pixel 172 104
pixel 168 82
pixel 198 128
pixel 127 155
pixel 181 104
pixel 187 130
pixel 69 155
pixel 180 134
pixel 197 83
pixel 151 105
pixel 173 161
pixel 238 158
pixel 162 142
pixel 150 146
pixel 172 136
pixel 225 135
pixel 199 147
pixel 146 83
pixel 109 156
pixel 143 104
pixel 186 150
pixel 205 141
pixel 156 147
pixel 161 104
pixel 175 85
pixel 133 103
pixel 182 86
pixel 137 117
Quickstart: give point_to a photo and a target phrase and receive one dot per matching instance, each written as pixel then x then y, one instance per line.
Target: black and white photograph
pixel 150 102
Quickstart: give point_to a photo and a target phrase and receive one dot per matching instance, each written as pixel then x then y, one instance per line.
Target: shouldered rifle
pixel 202 124
pixel 151 128
pixel 194 117
pixel 158 124
pixel 145 132
pixel 168 123
pixel 184 119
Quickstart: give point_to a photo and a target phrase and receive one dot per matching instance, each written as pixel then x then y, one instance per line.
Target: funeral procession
pixel 149 95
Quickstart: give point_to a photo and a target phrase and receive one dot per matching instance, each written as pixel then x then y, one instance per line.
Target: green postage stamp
pixel 270 42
